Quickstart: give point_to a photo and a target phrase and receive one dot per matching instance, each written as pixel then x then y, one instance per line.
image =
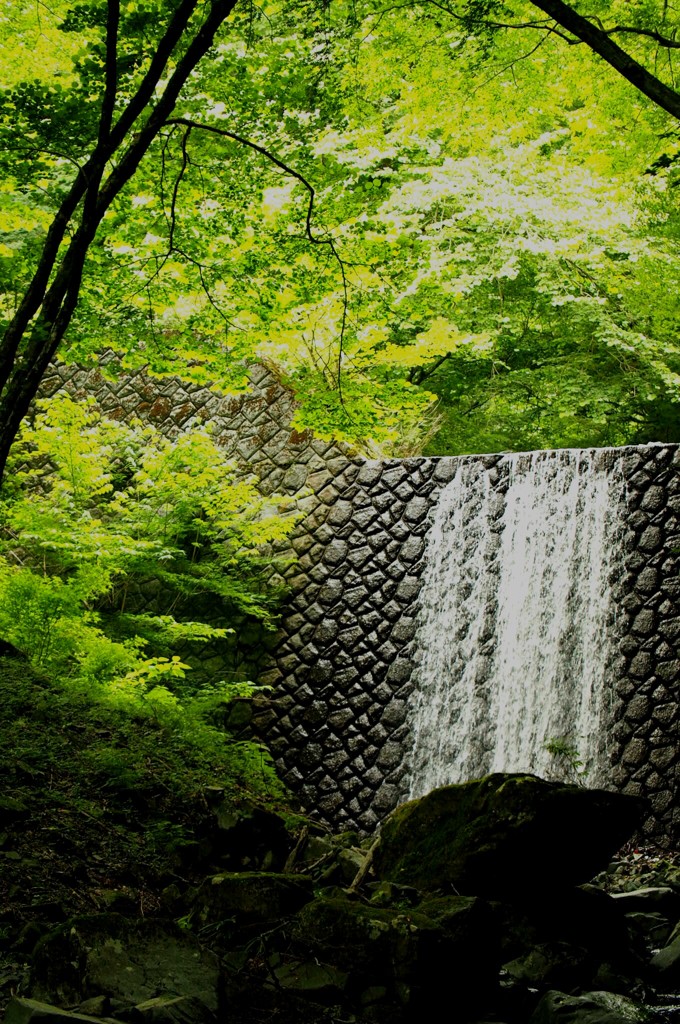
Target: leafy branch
pixel 327 240
pixel 37 328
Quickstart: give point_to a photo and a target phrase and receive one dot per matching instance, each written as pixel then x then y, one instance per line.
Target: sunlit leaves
pixel 500 206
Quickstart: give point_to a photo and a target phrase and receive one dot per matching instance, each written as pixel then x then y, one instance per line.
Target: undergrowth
pixel 96 743
pixel 121 780
pixel 108 746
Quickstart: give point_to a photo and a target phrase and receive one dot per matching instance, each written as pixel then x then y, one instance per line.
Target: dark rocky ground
pixel 471 908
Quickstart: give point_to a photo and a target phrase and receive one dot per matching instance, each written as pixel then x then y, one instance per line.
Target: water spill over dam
pixel 516 629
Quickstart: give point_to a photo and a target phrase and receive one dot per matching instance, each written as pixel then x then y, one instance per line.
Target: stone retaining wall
pixel 254 429
pixel 338 723
pixel 345 664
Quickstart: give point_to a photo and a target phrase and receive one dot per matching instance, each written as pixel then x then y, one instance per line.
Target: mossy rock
pixel 417 956
pixel 251 897
pixel 548 966
pixel 130 961
pixel 248 835
pixel 504 835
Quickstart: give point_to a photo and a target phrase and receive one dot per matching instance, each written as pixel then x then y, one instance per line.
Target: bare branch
pixel 293 173
pixel 286 168
pixel 664 41
pixel 175 190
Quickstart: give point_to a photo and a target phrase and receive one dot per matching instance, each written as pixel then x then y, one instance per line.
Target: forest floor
pixel 92 815
pixel 82 833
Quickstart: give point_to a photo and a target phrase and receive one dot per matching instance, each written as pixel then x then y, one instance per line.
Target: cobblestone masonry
pixel 338 721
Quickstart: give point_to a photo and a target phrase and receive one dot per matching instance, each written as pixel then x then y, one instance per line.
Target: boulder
pixel 666 964
pixel 654 929
pixel 283 987
pixel 418 957
pixel 311 979
pixel 591 1008
pixel 584 917
pixel 574 940
pixel 504 836
pixel 31 1011
pixel 169 1009
pixel 251 897
pixel 130 961
pixel 248 835
pixel 660 899
pixel 548 965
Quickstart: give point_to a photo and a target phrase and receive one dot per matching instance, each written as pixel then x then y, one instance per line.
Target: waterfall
pixel 515 638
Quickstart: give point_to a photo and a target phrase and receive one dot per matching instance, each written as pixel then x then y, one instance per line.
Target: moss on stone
pixel 504 834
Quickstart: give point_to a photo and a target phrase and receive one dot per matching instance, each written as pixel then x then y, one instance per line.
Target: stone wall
pixel 254 429
pixel 343 666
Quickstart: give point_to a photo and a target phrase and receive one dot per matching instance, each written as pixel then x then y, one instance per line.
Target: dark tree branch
pixel 600 42
pixel 166 47
pixel 175 190
pixel 111 80
pixel 594 35
pixel 327 240
pixel 286 168
pixel 665 41
pixel 51 305
pixel 92 170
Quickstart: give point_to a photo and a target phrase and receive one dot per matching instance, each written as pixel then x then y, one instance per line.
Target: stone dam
pixel 452 616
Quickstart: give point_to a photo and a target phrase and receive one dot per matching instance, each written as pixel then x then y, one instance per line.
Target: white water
pixel 515 640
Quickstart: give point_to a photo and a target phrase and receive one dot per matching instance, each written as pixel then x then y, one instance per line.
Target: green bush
pixel 94 510
pixel 98 509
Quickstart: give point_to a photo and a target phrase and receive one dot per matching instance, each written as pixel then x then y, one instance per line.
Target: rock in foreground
pixel 504 835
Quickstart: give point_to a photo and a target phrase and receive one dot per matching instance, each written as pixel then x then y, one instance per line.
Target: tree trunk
pixel 32 338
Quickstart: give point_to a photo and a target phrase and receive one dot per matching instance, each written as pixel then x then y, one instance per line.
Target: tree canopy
pixel 451 225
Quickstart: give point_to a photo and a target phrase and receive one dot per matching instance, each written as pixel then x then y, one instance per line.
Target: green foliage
pixel 568 765
pixel 117 754
pixel 490 260
pixel 96 509
pixel 101 511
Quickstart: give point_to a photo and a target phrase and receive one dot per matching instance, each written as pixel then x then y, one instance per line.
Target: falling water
pixel 515 640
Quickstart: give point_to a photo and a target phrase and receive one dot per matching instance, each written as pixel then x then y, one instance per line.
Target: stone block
pixel 404 630
pixel 400 670
pixel 668 671
pixel 663 757
pixel 391 756
pixel 638 709
pixel 666 713
pixel 395 714
pixel 412 549
pixel 641 667
pixel 644 623
pixel 336 552
pixel 444 470
pixel 651 539
pixel 359 557
pixel 635 752
pixel 393 475
pixel 370 474
pixel 416 510
pixel 340 514
pixel 326 631
pixel 405 490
